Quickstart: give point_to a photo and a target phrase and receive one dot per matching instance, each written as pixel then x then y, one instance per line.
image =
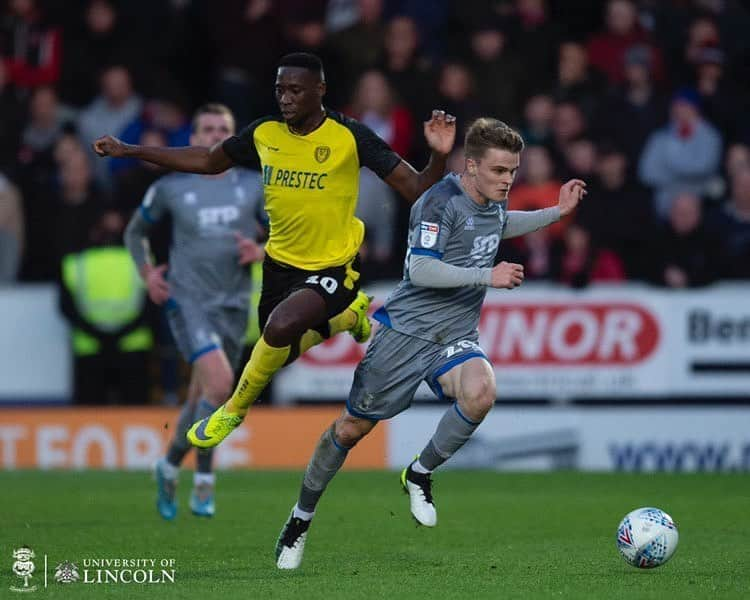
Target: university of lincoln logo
pixel 322 153
pixel 23 568
pixel 66 572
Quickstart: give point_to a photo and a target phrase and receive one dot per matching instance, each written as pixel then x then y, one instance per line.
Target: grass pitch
pixel 498 536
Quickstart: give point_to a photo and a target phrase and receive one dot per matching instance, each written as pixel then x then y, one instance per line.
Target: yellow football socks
pixel 343 321
pixel 264 361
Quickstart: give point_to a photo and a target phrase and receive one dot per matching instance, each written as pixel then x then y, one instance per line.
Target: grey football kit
pixel 429 322
pixel 428 326
pixel 209 290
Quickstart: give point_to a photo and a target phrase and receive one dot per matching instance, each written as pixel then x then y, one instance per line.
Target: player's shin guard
pixel 264 361
pixel 451 433
pixel 327 459
pixel 179 446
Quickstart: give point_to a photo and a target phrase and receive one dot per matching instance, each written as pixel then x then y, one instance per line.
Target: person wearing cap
pixel 683 156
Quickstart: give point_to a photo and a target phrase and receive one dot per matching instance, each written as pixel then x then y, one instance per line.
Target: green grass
pixel 498 536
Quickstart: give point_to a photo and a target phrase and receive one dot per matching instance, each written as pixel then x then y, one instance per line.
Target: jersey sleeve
pixel 374 153
pixel 154 204
pixel 431 225
pixel 241 147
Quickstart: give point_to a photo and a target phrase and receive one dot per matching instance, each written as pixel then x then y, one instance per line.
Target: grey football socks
pixel 451 433
pixel 180 446
pixel 204 460
pixel 327 459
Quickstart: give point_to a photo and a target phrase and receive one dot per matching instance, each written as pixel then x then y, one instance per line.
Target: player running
pixel 310 160
pixel 429 323
pixel 216 221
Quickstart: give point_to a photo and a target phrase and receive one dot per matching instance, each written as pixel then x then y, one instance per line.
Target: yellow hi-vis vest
pixel 108 293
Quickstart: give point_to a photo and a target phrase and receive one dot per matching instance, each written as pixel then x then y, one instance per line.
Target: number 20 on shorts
pixel 329 284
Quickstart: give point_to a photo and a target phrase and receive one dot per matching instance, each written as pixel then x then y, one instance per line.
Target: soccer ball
pixel 647 538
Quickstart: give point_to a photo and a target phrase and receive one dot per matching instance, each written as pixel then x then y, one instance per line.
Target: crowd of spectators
pixel 645 100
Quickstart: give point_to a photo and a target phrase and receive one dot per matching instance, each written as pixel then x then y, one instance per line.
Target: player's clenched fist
pixel 109 146
pixel 507 275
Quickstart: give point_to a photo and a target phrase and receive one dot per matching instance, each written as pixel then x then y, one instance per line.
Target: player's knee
pixel 348 433
pixel 479 396
pixel 284 326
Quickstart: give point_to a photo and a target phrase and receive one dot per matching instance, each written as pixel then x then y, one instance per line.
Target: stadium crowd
pixel 645 100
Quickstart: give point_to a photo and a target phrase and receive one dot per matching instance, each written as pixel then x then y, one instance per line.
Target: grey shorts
pixel 198 330
pixel 394 366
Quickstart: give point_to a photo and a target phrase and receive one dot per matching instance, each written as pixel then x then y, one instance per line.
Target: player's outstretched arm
pixel 521 222
pixel 191 159
pixel 440 133
pixel 426 271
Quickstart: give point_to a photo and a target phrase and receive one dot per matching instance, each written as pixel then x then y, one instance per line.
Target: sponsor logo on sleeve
pixel 428 234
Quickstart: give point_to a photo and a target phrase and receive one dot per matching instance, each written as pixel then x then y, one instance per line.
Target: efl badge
pixel 429 234
pixel 322 153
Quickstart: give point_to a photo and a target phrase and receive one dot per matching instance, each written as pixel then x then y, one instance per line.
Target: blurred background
pixel 628 347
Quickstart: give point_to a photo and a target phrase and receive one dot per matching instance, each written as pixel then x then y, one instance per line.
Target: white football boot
pixel 291 543
pixel 419 488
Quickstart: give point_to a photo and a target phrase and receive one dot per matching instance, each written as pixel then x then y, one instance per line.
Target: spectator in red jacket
pixel 32 47
pixel 374 104
pixel 607 49
pixel 581 263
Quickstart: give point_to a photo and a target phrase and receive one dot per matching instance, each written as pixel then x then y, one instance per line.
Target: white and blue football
pixel 647 537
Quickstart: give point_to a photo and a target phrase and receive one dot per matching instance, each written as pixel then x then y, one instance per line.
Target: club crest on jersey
pixel 322 153
pixel 428 234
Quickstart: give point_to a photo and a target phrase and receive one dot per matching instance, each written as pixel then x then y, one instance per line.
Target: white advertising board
pixel 603 342
pixel 591 439
pixel 35 356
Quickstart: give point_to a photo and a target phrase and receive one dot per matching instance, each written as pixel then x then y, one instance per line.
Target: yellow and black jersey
pixel 311 184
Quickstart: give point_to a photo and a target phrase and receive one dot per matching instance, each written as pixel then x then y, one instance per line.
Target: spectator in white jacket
pixel 684 156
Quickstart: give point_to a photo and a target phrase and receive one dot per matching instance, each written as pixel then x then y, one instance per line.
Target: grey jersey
pixel 206 214
pixel 448 225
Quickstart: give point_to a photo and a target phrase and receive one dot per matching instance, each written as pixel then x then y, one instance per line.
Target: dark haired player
pixel 310 159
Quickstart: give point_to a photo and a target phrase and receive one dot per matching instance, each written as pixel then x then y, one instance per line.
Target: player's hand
pixel 249 250
pixel 440 132
pixel 507 275
pixel 571 194
pixel 156 284
pixel 109 146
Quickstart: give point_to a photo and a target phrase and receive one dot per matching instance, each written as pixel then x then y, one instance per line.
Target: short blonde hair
pixel 485 133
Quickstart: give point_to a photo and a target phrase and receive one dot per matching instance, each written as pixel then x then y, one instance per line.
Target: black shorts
pixel 338 286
